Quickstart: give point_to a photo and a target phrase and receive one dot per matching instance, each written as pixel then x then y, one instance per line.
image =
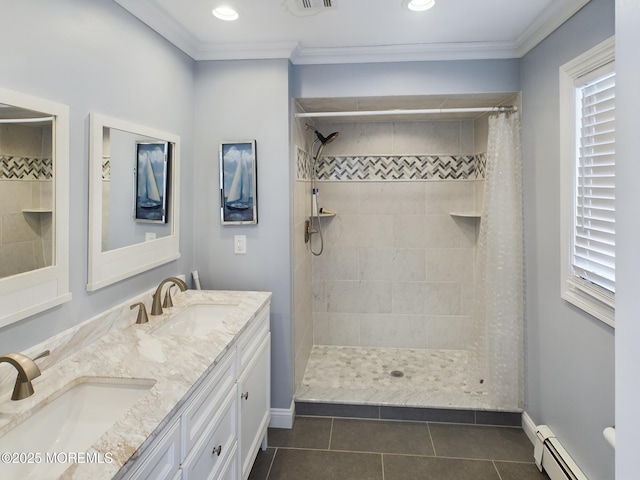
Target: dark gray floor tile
pixel 337 410
pixel 262 464
pixel 520 471
pixel 307 432
pixel 411 438
pixel 428 414
pixel 290 464
pixel 474 441
pixel 399 467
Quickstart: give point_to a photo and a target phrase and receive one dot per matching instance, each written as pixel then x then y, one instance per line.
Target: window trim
pixel 589 298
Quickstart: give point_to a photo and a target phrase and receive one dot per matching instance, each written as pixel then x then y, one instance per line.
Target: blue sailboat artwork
pixel 151 182
pixel 238 172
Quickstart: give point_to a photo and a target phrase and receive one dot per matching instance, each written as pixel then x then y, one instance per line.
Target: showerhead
pixel 323 140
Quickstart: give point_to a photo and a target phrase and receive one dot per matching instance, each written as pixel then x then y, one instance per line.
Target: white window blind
pixel 593 255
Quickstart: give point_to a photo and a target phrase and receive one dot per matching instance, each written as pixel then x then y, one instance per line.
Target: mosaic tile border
pixel 303 164
pixel 25 168
pixel 393 167
pixel 106 168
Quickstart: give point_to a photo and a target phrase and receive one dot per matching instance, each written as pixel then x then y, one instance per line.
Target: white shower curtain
pixel 498 366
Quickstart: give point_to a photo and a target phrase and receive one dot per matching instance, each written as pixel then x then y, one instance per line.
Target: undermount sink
pixel 70 423
pixel 197 320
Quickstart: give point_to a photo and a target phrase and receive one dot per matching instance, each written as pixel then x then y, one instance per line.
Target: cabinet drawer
pixel 253 336
pixel 161 462
pixel 230 470
pixel 208 400
pixel 217 445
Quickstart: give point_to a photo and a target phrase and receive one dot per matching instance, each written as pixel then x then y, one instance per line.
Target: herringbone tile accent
pixel 25 168
pixel 106 168
pixel 390 167
pixel 410 167
pixel 481 165
pixel 303 164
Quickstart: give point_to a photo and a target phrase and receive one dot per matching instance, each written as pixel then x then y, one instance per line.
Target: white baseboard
pixel 283 417
pixel 529 427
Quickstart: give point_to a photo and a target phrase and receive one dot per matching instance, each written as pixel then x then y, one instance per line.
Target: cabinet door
pixel 163 460
pixel 254 388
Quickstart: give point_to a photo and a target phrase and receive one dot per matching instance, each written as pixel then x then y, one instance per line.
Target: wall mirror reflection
pixel 34 197
pixel 26 190
pixel 138 164
pixel 133 199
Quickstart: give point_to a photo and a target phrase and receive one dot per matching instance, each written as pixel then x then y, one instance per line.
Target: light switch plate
pixel 240 244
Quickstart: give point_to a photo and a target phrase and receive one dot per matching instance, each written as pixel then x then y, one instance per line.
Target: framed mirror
pixel 34 205
pixel 133 199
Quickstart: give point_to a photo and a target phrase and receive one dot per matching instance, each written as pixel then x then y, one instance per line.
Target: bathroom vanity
pixel 217 431
pixel 202 407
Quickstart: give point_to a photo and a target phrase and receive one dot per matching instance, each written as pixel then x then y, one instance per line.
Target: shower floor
pixel 363 375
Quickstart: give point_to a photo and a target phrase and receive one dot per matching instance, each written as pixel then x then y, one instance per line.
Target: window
pixel 587 119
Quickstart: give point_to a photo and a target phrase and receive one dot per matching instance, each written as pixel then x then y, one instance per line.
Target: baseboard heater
pixel 551 457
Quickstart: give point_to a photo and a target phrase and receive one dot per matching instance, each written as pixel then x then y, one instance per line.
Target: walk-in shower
pixel 388 314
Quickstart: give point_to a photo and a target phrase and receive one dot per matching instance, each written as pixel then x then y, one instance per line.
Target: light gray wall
pixel 410 78
pixel 96 57
pixel 570 354
pixel 627 238
pixel 240 100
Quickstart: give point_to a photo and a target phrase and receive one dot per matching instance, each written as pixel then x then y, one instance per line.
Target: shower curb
pixel 420 414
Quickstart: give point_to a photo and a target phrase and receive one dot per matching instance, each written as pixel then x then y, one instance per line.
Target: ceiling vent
pixel 304 8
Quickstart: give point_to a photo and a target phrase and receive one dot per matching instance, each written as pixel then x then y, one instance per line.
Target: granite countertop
pixel 175 363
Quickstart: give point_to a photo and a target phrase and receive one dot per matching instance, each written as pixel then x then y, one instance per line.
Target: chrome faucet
pixel 156 305
pixel 27 371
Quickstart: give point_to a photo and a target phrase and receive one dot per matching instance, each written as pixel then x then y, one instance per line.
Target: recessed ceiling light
pixel 420 5
pixel 225 12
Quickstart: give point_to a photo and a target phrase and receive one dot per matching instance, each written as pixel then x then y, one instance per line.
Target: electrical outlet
pixel 149 236
pixel 240 244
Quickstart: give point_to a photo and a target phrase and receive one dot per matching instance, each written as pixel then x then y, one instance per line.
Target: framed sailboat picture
pixel 238 183
pixel 151 181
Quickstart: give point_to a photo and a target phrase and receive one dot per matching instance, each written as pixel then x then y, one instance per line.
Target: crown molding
pixel 156 18
pixel 404 53
pixel 546 23
pixel 237 51
pixel 165 25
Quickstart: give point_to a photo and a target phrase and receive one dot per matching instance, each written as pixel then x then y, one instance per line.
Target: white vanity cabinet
pixel 216 434
pixel 254 390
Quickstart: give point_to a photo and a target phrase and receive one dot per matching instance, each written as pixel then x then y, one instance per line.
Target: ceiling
pixel 354 31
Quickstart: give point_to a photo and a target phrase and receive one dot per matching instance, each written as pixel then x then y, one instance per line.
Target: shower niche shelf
pixel 37 210
pixel 466 214
pixel 327 214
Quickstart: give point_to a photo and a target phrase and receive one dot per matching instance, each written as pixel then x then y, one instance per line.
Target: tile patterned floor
pixel 325 448
pixel 362 375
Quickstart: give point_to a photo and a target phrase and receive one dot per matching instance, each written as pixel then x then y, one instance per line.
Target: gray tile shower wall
pixel 397 268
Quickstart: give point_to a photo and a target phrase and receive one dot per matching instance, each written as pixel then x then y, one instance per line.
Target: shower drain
pixel 396 373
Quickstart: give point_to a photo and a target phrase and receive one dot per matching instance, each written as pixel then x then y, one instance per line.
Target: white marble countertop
pixel 175 363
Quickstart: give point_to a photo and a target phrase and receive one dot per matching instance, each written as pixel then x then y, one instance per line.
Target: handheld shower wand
pixel 314 205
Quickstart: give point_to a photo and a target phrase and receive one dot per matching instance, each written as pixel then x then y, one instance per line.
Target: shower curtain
pixel 498 352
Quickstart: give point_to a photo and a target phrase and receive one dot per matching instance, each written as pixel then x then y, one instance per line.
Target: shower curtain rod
pixel 419 111
pixel 25 120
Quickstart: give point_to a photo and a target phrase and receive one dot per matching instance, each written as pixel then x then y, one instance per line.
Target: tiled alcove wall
pixel 25 183
pixel 397 268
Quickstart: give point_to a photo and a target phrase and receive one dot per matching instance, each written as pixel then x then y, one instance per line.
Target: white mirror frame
pixel 106 268
pixel 32 292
